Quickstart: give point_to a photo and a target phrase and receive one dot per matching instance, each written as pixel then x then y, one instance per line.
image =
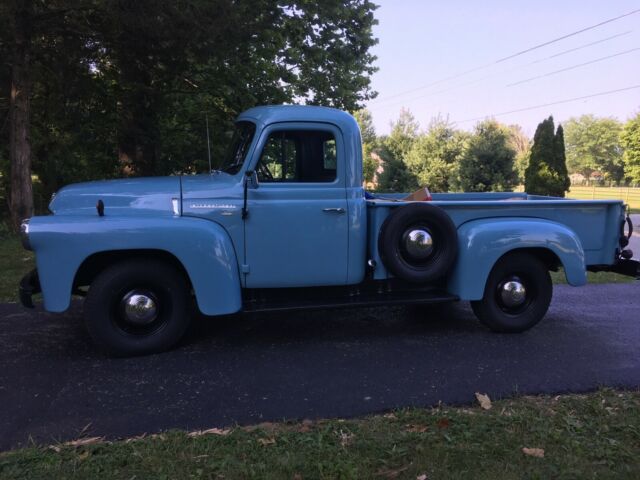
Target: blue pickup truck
pixel 285 224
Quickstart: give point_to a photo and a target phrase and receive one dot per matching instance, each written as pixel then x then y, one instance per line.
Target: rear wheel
pixel 517 294
pixel 137 307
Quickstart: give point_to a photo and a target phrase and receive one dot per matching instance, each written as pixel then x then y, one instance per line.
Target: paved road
pixel 339 364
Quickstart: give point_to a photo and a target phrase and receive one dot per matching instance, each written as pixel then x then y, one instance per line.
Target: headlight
pixel 24 234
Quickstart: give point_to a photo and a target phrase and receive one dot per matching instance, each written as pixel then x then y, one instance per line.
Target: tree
pixel 369 142
pixel 521 144
pixel 630 139
pixel 593 144
pixel 546 173
pixel 403 133
pixel 21 196
pixel 433 158
pixel 488 161
pixel 395 176
pixel 137 78
pixel 559 164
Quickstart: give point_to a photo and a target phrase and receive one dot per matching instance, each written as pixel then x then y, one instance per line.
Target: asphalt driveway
pixel 247 369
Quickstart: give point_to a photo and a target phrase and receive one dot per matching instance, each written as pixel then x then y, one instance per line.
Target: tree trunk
pixel 21 198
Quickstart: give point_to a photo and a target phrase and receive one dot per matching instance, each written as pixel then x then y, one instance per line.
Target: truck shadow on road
pixel 335 325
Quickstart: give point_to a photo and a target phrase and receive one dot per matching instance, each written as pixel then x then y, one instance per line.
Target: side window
pixel 298 156
pixel 330 154
pixel 279 159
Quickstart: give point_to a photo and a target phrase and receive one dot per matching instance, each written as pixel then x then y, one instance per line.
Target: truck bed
pixel 597 223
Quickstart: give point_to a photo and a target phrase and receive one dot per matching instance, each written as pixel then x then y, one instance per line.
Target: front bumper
pixel 29 286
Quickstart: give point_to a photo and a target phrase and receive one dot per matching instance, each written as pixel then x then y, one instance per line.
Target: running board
pixel 369 299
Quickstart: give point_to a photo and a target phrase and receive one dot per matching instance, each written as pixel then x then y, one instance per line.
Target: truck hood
pixel 134 196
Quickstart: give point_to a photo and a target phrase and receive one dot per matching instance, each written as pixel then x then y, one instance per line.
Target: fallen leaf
pixel 443 423
pixel 266 441
pixel 84 441
pixel 210 431
pixel 83 455
pixel 346 438
pixel 484 400
pixel 416 428
pixel 216 431
pixel 533 452
pixel 422 477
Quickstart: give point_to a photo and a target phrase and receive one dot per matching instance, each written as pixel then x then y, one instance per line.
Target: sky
pixel 439 58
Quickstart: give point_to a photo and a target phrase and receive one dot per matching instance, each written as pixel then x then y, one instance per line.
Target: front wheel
pixel 137 307
pixel 517 294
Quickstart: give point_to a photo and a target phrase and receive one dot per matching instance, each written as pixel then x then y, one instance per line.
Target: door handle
pixel 334 210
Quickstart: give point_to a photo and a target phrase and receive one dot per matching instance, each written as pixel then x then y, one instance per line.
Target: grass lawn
pixel 15 261
pixel 595 435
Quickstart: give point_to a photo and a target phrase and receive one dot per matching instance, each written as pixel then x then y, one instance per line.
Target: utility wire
pixel 573 67
pixel 581 47
pixel 568 100
pixel 509 70
pixel 504 59
pixel 567 36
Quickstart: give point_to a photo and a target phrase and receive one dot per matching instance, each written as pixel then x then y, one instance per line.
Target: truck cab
pixel 284 224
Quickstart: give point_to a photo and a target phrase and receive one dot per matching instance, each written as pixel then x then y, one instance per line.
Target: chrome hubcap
pixel 512 293
pixel 418 243
pixel 139 308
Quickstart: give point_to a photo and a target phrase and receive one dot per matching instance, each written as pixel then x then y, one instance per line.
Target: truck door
pixel 296 232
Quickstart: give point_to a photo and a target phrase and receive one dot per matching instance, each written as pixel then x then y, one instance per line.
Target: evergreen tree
pixel 546 173
pixel 403 134
pixel 434 156
pixel 560 160
pixel 395 176
pixel 488 161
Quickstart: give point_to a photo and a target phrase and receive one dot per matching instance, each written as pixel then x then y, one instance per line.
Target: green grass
pixel 559 278
pixel 15 261
pixel 595 435
pixel 631 196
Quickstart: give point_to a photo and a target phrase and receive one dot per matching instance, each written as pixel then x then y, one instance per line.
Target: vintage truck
pixel 285 224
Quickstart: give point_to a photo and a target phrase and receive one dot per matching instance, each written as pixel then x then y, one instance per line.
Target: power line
pixel 567 36
pixel 580 47
pixel 568 100
pixel 573 67
pixel 500 60
pixel 509 70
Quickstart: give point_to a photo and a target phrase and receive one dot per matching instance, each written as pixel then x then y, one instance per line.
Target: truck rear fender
pixel 482 242
pixel 66 247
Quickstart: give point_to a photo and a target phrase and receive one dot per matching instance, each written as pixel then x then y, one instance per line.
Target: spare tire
pixel 418 242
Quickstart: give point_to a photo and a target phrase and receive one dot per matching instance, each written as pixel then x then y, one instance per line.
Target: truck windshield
pixel 237 149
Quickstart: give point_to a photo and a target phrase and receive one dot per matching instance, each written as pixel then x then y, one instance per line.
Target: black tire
pixel 105 312
pixel 530 272
pixel 392 240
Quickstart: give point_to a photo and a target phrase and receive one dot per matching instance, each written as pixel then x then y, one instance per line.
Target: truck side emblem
pixel 214 206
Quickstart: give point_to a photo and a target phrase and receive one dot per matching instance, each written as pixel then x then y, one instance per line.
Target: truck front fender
pixel 204 248
pixel 482 242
